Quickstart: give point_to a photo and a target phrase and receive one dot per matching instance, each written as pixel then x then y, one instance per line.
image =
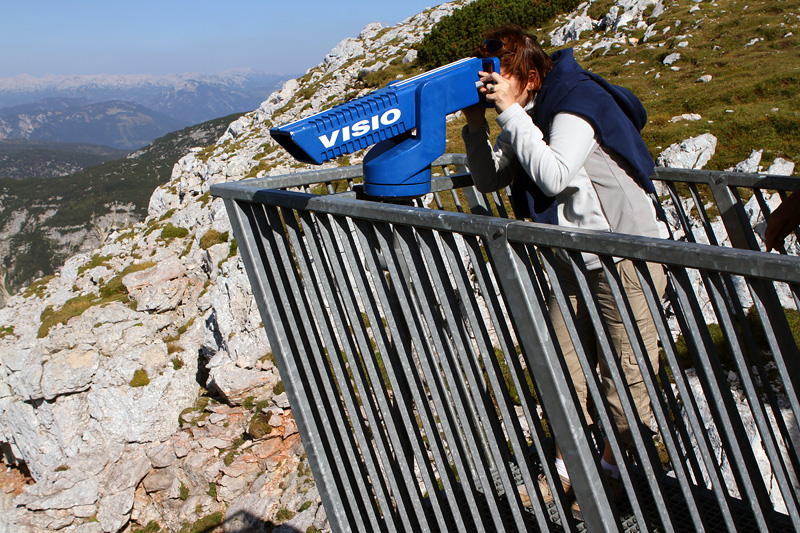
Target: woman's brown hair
pixel 519 52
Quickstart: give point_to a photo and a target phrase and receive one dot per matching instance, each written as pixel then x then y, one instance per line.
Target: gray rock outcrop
pixel 131 380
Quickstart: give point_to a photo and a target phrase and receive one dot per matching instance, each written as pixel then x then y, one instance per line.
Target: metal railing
pixel 415 346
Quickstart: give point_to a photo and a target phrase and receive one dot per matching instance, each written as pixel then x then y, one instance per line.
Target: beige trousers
pixel 619 338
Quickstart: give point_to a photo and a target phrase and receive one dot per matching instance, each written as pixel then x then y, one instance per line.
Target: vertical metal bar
pixel 309 420
pixel 429 420
pixel 450 411
pixel 779 337
pixel 757 410
pixel 703 215
pixel 742 457
pixel 680 211
pixel 397 421
pixel 510 424
pixel 612 363
pixel 720 403
pixel 499 317
pixel 732 212
pixel 663 416
pixel 369 392
pixel 557 397
pixel 338 390
pixel 678 291
pixel 400 366
pixel 661 213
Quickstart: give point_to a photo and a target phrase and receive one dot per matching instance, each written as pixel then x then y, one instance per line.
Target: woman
pixel 570 148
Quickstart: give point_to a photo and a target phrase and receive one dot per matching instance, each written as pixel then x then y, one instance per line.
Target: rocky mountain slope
pixel 137 386
pixel 190 98
pixel 45 221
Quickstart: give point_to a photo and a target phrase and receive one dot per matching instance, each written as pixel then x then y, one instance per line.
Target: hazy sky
pixel 41 37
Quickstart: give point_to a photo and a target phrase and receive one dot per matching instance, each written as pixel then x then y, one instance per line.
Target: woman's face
pixel 517 87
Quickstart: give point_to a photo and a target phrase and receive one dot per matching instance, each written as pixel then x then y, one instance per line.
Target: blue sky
pixel 41 37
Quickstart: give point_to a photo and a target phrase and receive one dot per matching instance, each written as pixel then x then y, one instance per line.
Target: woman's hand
pixel 476 116
pixel 500 91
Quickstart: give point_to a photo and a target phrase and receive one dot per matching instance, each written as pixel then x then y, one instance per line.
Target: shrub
pixel 211 238
pixel 140 378
pixel 259 426
pixel 172 232
pixel 459 34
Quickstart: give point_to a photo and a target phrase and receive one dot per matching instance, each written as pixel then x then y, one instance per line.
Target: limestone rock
pixel 781 167
pixel 63 493
pixel 114 510
pixel 571 31
pixel 69 371
pixel 751 164
pixel 690 153
pixel 159 288
pixel 686 116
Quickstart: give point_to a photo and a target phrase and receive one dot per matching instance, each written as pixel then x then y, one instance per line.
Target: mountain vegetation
pixel 45 221
pixel 460 34
pixel 20 158
pixel 749 49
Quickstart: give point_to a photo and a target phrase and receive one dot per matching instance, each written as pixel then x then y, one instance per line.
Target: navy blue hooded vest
pixel 614 112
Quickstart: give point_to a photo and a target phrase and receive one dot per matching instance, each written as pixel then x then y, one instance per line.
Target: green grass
pixel 738 106
pixel 750 81
pixel 171 232
pixel 140 379
pixel 71 308
pixel 212 237
pixel 207 524
pixel 111 291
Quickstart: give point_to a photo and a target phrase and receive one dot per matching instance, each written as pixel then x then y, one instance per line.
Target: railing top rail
pixel 730 260
pixel 732 179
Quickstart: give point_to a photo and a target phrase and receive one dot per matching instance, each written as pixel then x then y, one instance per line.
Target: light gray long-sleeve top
pixel 591 184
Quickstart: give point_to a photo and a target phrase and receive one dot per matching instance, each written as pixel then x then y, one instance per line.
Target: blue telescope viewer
pixel 405 121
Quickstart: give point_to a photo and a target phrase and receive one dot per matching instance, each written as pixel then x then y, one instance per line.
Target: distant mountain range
pixel 188 98
pixel 119 124
pixel 124 111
